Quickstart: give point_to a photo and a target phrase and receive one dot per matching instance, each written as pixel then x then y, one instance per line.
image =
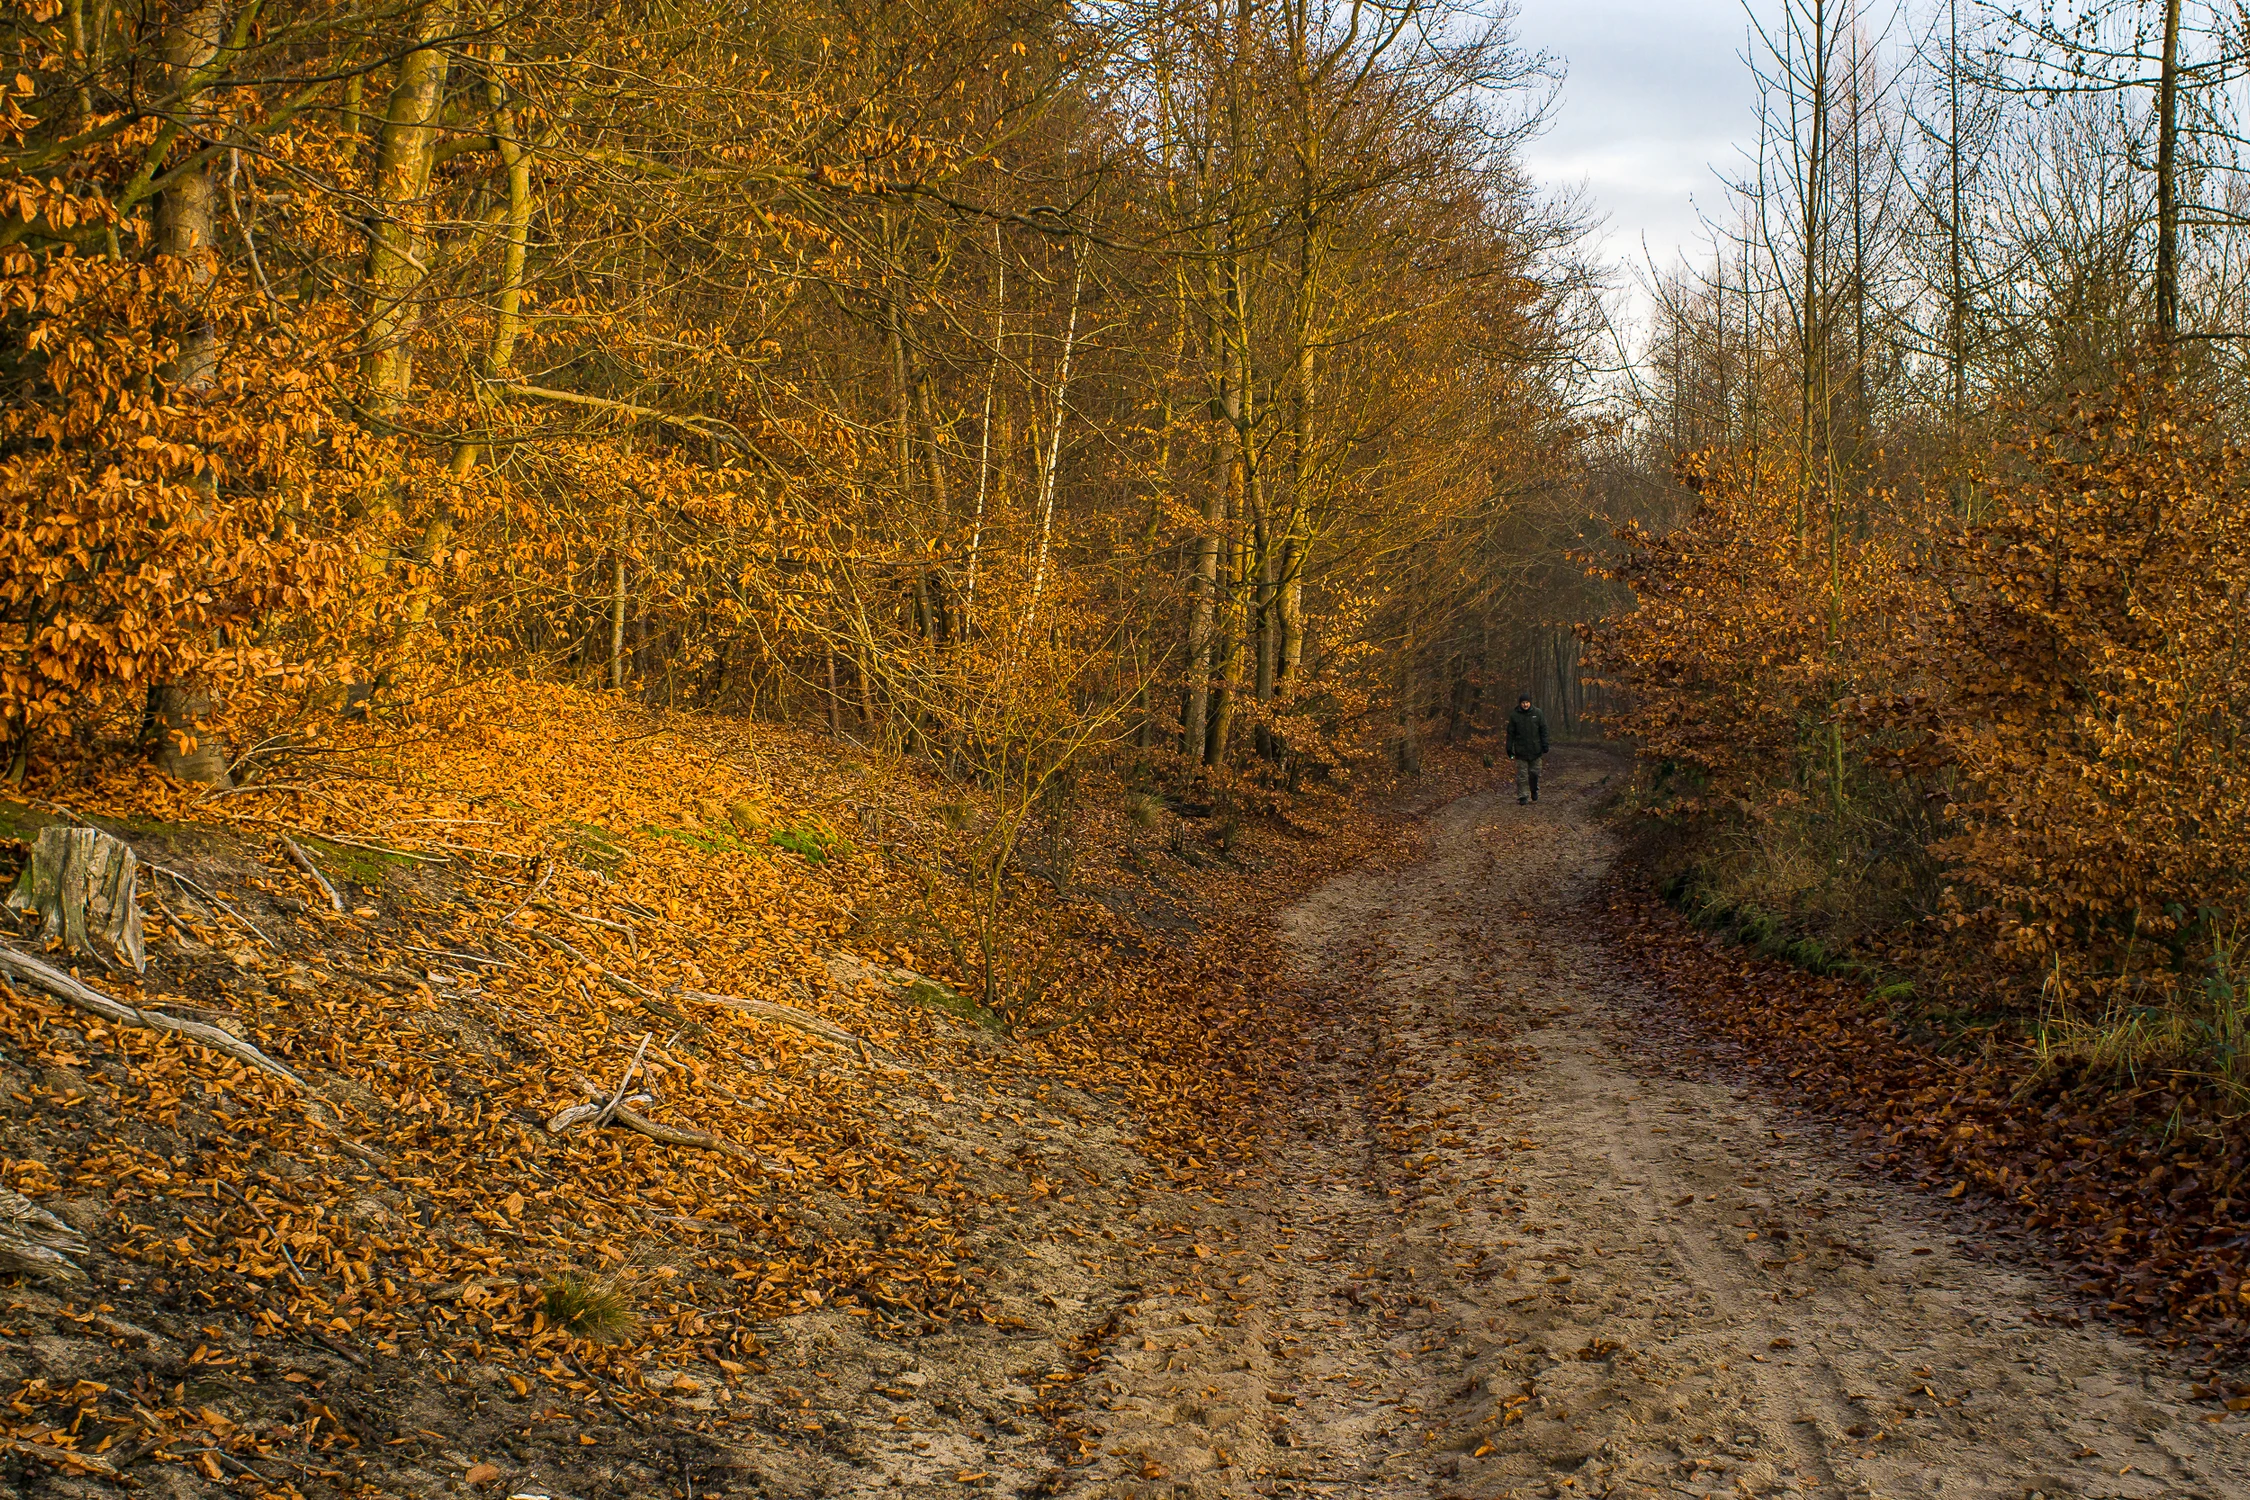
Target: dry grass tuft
pixel 590 1307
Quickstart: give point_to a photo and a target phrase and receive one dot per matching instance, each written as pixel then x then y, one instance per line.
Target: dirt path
pixel 1512 1251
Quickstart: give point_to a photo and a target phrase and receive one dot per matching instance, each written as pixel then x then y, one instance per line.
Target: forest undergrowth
pixel 549 894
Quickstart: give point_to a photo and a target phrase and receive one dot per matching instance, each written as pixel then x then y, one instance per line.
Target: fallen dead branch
pixel 786 1015
pixel 203 894
pixel 770 1010
pixel 490 853
pixel 617 1097
pixel 617 1109
pixel 567 950
pixel 303 861
pixel 459 957
pixel 71 990
pixel 44 976
pixel 62 1458
pixel 420 857
pixel 589 920
pixel 33 1242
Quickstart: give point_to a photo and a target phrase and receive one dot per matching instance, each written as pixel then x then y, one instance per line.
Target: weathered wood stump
pixel 82 882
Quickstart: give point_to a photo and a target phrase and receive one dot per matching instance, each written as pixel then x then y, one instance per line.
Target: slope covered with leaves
pixel 535 895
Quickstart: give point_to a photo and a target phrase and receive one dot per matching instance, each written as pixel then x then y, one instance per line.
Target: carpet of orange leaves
pixel 543 841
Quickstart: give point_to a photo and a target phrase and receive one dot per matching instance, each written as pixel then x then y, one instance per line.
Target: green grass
pixel 594 847
pixel 23 824
pixel 935 996
pixel 366 866
pixel 814 842
pixel 588 1307
pixel 709 843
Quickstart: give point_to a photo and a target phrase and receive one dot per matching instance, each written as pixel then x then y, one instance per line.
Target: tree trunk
pixel 1194 717
pixel 397 248
pixel 984 438
pixel 617 623
pixel 186 218
pixel 2167 186
pixel 1230 660
pixel 1292 614
pixel 1053 458
pixel 507 315
pixel 179 739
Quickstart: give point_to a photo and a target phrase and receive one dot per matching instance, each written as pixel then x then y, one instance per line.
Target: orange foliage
pixel 2041 703
pixel 2094 689
pixel 151 528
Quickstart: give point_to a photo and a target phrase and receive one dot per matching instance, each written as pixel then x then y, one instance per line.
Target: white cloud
pixel 1656 97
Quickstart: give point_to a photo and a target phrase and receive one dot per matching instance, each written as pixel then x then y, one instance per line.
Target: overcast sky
pixel 1655 96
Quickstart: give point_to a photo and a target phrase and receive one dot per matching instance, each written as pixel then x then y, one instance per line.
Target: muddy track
pixel 1510 1248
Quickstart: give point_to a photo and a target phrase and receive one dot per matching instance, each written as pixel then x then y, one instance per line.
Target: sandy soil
pixel 1511 1248
pixel 1517 1236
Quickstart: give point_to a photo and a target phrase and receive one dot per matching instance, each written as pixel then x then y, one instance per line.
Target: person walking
pixel 1527 746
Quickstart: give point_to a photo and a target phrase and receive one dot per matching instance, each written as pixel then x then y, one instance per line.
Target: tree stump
pixel 82 882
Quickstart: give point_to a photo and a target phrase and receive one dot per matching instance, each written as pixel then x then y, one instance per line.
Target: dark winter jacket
pixel 1527 734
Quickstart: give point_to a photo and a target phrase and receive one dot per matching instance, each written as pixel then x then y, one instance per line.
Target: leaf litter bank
pixel 885 1270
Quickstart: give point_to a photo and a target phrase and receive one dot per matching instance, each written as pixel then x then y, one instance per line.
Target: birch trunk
pixel 1054 437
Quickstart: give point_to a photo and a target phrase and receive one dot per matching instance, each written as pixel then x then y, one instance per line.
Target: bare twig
pixel 181 880
pixel 618 1099
pixel 545 875
pixel 303 861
